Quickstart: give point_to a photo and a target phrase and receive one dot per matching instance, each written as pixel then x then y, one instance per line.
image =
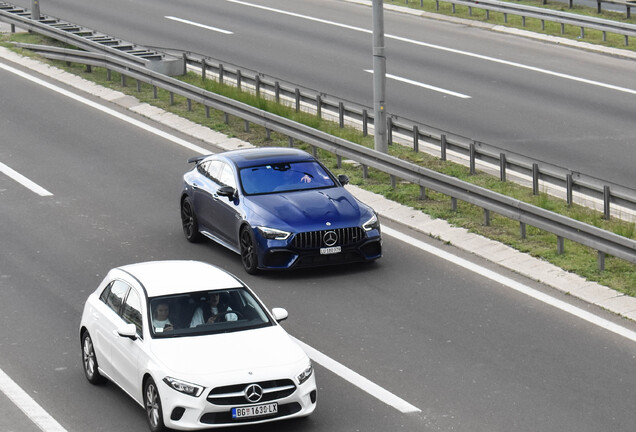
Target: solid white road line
pixel 27 405
pixel 442 48
pixel 106 110
pixel 358 380
pixel 426 86
pixel 24 181
pixel 196 24
pixel 510 283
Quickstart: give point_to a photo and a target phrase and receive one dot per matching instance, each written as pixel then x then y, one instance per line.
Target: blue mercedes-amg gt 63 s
pixel 279 208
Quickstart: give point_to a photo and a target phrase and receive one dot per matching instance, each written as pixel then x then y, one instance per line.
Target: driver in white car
pixel 213 312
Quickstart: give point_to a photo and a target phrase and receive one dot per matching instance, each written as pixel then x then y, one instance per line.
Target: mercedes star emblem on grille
pixel 253 393
pixel 330 238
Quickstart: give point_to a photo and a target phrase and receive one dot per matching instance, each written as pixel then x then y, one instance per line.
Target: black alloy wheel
pixel 189 221
pixel 248 251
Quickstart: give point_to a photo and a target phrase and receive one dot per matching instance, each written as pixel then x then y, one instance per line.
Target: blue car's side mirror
pixel 343 179
pixel 227 191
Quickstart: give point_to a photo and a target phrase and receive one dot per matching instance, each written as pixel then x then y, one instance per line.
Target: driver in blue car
pixel 212 312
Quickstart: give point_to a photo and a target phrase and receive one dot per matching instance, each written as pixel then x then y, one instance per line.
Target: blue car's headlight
pixel 372 223
pixel 305 374
pixel 184 386
pixel 273 233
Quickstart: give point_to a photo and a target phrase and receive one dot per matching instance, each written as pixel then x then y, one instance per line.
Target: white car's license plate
pixel 255 410
pixel 330 250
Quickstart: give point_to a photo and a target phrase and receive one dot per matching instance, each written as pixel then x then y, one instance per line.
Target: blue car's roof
pixel 265 155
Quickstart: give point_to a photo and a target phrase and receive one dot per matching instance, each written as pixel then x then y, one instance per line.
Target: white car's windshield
pixel 205 312
pixel 284 177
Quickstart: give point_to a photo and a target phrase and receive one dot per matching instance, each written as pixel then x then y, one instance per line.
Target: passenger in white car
pixel 212 312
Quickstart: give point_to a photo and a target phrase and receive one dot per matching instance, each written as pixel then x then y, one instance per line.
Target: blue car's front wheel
pixel 249 256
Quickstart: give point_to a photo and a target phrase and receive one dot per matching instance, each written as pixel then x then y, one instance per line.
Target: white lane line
pixel 106 110
pixel 426 86
pixel 24 181
pixel 358 380
pixel 442 48
pixel 517 286
pixel 28 406
pixel 196 24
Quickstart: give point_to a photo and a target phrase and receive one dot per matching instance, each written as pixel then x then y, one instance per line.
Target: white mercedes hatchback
pixel 195 347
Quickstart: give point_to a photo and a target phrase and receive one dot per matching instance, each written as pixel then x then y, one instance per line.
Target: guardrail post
pixel 422 193
pixel 339 161
pixel 257 85
pixel 601 260
pixel 560 245
pixel 505 18
pixel 569 184
pixel 207 111
pixel 247 126
pixel 341 114
pixel 297 97
pixel 123 80
pixel 365 123
pixel 453 204
pixel 109 75
pixel 319 106
pixel 486 217
pixel 582 32
pixel 154 92
pixel 314 151
pixel 389 130
pixel 416 139
pixel 89 69
pixel 442 142
pixel 35 10
pixel 436 4
pixel 268 134
pixel 291 142
pixel 563 28
pixel 239 79
pixel 502 167
pixel 171 98
pixel 604 36
pixel 522 229
pixel 606 202
pixel 204 69
pixel 277 91
pixel 365 171
pixel 221 73
pixel 535 179
pixel 393 181
pixel 138 86
pixel 189 104
pixel 472 158
pixel 226 118
pixel 523 21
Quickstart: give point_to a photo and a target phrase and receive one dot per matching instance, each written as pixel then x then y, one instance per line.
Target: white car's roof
pixel 175 277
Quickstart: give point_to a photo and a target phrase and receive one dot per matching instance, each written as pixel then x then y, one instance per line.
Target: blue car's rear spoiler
pixel 197 159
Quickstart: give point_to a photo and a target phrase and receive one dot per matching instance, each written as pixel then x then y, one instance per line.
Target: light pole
pixel 379 78
pixel 35 10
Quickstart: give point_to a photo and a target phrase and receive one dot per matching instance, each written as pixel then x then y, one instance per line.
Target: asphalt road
pixel 551 103
pixel 471 354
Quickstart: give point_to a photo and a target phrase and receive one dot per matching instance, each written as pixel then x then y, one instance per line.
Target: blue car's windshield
pixel 284 177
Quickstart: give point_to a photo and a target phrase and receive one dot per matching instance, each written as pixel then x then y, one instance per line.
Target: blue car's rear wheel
pixel 189 221
pixel 249 256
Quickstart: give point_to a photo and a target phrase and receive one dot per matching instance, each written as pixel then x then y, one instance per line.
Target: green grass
pixel 533 24
pixel 618 274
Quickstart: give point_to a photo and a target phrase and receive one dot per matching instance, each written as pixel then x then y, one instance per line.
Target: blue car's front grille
pixel 316 239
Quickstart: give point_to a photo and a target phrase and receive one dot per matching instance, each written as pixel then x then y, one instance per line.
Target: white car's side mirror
pixel 280 314
pixel 128 330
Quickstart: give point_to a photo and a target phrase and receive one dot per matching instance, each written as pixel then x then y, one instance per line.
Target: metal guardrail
pixel 604 242
pixel 91 40
pixel 543 14
pixel 612 198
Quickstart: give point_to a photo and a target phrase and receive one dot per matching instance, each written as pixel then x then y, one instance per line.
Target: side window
pixel 214 169
pixel 203 167
pixel 117 293
pixel 132 311
pixel 227 176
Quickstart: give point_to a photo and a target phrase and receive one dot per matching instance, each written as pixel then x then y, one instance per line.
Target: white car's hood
pixel 225 353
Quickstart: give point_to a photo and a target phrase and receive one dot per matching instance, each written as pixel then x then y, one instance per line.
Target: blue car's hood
pixel 309 210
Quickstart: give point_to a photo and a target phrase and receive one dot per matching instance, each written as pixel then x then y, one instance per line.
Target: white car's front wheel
pixel 152 402
pixel 89 360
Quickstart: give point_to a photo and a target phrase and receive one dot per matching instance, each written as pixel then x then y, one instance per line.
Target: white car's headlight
pixel 304 375
pixel 273 233
pixel 184 386
pixel 372 223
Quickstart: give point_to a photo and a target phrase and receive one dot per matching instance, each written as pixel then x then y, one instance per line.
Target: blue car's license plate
pixel 330 250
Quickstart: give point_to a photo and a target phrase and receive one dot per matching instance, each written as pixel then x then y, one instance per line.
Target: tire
pixel 189 221
pixel 249 257
pixel 89 361
pixel 152 404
